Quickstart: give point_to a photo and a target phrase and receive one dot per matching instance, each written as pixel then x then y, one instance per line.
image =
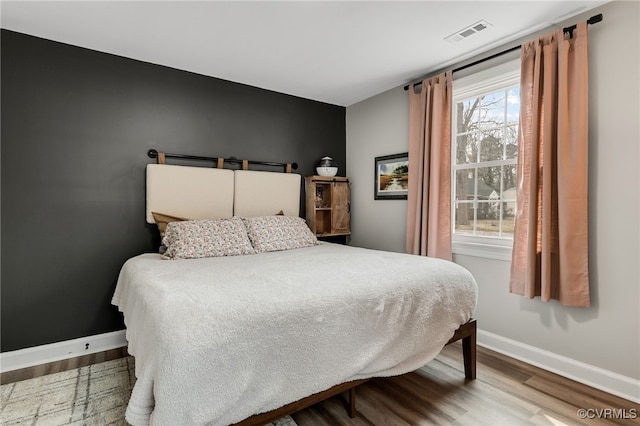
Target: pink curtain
pixel 551 250
pixel 429 194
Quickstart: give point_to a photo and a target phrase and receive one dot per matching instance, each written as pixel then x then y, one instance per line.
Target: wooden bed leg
pixel 352 402
pixel 467 333
pixel 469 354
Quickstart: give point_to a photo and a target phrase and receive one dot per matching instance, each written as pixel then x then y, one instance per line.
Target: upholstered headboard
pixel 210 193
pixel 266 193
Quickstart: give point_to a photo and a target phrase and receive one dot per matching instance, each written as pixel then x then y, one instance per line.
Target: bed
pixel 270 326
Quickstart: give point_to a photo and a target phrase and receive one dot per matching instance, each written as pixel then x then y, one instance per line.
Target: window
pixel 485 115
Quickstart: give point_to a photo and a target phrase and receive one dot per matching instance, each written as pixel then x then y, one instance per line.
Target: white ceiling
pixel 339 52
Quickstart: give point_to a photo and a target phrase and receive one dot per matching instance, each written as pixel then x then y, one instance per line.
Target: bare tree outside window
pixel 486 148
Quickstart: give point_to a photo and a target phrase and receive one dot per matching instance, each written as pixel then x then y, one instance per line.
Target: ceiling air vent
pixel 467 32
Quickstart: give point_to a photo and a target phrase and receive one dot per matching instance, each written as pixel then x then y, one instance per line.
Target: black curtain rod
pixel 593 20
pixel 152 153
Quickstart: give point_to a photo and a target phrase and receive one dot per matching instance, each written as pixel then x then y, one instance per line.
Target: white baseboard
pixel 29 357
pixel 596 377
pixel 608 381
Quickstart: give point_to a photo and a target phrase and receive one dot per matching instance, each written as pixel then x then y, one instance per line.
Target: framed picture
pixel 391 177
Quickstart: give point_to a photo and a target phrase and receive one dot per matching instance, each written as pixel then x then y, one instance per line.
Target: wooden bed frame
pixel 466 333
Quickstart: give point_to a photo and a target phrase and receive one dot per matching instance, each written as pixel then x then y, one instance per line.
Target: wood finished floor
pixel 506 392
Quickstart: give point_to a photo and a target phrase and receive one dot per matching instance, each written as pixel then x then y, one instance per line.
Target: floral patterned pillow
pixel 162 220
pixel 273 233
pixel 194 239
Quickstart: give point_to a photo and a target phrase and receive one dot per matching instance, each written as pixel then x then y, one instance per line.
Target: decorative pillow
pixel 273 233
pixel 206 238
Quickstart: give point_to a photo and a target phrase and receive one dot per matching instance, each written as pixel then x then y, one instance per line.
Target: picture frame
pixel 391 177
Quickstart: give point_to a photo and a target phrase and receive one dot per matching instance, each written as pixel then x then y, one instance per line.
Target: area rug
pixel 94 395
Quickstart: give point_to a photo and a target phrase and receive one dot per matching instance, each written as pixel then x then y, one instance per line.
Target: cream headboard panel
pixel 266 193
pixel 189 192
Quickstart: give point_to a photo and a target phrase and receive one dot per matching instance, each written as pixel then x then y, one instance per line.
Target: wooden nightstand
pixel 328 204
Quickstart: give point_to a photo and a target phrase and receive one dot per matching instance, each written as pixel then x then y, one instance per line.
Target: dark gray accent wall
pixel 76 127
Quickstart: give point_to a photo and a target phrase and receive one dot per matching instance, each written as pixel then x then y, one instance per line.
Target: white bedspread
pixel 217 340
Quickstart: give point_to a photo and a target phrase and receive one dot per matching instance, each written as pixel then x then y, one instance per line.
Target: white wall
pixel 606 335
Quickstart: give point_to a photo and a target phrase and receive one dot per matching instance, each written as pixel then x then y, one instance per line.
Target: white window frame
pixel 495 78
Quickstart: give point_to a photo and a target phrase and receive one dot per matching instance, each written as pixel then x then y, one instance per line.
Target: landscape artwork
pixel 391 177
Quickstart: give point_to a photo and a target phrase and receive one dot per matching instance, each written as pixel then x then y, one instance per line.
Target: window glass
pixel 485 141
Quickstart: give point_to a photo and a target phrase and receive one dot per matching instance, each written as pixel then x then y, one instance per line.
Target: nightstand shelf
pixel 328 205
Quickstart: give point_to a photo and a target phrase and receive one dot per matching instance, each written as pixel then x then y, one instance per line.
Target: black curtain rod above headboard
pixel 152 153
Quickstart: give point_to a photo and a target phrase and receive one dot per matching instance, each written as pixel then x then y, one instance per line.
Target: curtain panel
pixel 429 193
pixel 551 247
